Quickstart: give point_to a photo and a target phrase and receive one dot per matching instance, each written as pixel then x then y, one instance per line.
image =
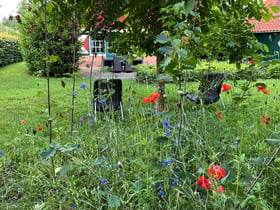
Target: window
pixel 98 46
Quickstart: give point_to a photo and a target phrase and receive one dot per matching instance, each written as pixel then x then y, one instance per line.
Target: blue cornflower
pixel 83 86
pixel 74 206
pixel 166 162
pixel 2 153
pixel 130 100
pixel 122 175
pixel 174 182
pixel 104 181
pixel 81 119
pixel 101 101
pixel 166 123
pixel 160 193
pixel 88 114
pixel 74 94
pixel 90 122
pixel 167 133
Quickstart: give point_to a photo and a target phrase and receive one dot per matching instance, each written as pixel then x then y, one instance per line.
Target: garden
pixel 131 163
pixel 160 151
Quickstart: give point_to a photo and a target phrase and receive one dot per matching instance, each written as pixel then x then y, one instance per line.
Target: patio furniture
pixel 209 89
pixel 107 96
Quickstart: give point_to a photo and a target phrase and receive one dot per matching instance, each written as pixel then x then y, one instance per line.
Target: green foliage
pixel 9 51
pixel 146 73
pixel 60 36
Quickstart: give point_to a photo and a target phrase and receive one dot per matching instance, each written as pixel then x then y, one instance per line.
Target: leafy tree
pixel 208 28
pixel 60 37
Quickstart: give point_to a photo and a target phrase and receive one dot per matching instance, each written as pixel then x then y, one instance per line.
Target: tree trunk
pixel 160 104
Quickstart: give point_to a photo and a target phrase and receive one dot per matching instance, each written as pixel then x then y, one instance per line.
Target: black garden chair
pixel 107 96
pixel 209 89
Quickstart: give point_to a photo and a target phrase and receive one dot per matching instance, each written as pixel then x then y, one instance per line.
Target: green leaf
pixel 163 77
pixel 49 7
pixel 178 6
pixel 49 28
pixel 73 147
pixel 165 63
pixel 273 141
pixel 196 40
pixel 182 53
pixel 163 38
pixel 266 17
pixel 62 171
pixel 244 202
pixel 275 9
pixel 190 6
pixel 265 48
pixel 230 44
pixel 54 145
pixel 165 50
pixel 46 154
pixel 257 161
pixel 176 42
pixel 181 25
pixel 53 58
pixel 114 201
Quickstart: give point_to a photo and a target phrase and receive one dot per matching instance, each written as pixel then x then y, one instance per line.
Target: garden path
pixel 98 74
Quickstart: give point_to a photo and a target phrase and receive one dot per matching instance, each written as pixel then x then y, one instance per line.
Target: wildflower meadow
pixel 208 157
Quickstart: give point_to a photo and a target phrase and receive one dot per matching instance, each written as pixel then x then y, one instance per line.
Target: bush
pixel 9 51
pixel 32 40
pixel 146 73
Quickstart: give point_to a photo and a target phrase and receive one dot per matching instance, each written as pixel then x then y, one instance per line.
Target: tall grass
pixel 134 157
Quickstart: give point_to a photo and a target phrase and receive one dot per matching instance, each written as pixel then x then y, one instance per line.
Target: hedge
pixel 147 73
pixel 9 51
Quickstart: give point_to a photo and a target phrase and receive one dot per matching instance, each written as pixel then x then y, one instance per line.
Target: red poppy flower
pixel 156 95
pixel 265 91
pixel 219 114
pixel 153 99
pixel 216 172
pixel 220 189
pixel 251 61
pixel 265 120
pixel 204 183
pixel 261 89
pixel 23 122
pixel 226 87
pixel 146 100
pixel 40 128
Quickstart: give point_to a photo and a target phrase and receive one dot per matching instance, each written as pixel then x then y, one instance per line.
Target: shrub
pixel 32 40
pixel 146 73
pixel 9 51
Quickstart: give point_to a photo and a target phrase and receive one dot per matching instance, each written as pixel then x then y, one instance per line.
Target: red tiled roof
pixel 273 25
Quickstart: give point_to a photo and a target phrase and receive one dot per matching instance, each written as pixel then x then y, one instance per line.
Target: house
pixel 104 57
pixel 269 32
